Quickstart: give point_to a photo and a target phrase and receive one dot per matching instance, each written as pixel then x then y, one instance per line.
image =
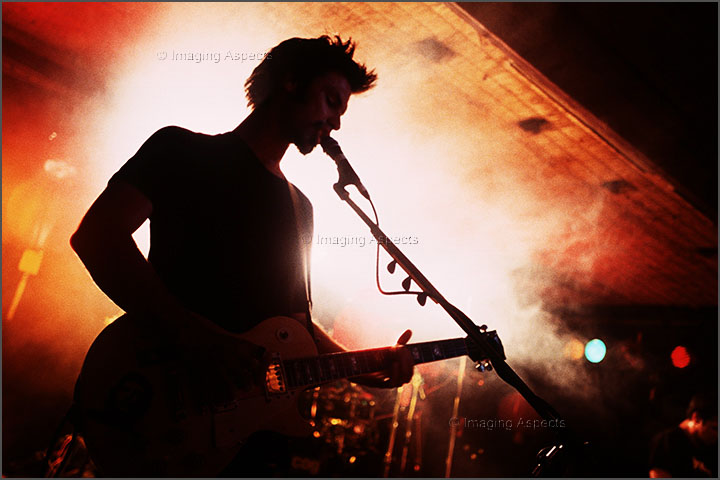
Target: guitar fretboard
pixel 306 372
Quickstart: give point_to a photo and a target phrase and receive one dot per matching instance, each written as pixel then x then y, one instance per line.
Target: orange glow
pixel 24 207
pixel 513 407
pixel 30 261
pixel 680 357
pixel 574 349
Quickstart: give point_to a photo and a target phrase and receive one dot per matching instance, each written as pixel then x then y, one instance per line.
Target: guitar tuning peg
pixel 406 284
pixel 391 266
pixel 422 298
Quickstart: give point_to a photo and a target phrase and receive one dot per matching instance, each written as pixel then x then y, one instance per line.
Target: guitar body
pixel 142 415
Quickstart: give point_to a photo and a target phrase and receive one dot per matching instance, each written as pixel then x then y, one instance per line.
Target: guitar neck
pixel 308 372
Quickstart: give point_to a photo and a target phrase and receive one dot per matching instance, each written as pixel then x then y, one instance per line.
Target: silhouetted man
pixel 226 226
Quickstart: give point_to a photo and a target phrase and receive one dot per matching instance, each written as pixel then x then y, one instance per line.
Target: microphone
pixel 347 175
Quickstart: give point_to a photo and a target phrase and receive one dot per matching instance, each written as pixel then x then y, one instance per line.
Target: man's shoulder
pixel 173 133
pixel 303 198
pixel 177 143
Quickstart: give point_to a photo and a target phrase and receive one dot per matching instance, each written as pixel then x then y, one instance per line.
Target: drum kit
pixel 345 433
pixel 358 434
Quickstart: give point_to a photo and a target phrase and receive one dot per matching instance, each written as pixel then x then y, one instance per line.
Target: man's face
pixel 316 113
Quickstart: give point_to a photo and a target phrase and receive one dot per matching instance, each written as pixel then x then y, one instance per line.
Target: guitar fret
pixel 377 358
pixel 427 354
pixel 341 365
pixel 354 365
pixel 364 358
pixel 358 363
pixel 320 377
pixel 415 352
pixel 347 365
pixel 308 372
pixel 370 362
pixel 317 363
pixel 308 368
pixel 324 370
pixel 334 368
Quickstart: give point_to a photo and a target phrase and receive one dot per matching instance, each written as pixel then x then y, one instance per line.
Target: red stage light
pixel 680 357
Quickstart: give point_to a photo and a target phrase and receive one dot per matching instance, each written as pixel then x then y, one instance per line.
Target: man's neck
pixel 261 132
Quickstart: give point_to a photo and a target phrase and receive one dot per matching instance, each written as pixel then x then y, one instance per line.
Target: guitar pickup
pixel 275 383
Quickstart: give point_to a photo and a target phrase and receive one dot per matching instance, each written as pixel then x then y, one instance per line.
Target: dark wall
pixel 648 70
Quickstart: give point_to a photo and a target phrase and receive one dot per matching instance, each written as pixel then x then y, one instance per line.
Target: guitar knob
pixel 283 335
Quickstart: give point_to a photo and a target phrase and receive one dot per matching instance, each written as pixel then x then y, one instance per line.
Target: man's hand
pixel 400 371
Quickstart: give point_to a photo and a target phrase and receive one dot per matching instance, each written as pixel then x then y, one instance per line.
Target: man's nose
pixel 334 122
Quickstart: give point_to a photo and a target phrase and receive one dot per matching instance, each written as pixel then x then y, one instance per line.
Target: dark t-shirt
pixel 223 235
pixel 674 452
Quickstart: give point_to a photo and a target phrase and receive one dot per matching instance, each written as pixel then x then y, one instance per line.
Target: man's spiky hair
pixel 301 60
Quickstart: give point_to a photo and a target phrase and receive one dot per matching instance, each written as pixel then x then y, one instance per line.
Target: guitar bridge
pixel 275 377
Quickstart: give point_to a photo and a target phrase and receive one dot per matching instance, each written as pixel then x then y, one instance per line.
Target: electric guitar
pixel 142 415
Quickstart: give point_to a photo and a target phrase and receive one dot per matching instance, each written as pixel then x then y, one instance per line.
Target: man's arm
pixel 104 243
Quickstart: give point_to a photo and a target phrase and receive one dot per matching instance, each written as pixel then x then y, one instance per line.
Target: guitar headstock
pixel 477 352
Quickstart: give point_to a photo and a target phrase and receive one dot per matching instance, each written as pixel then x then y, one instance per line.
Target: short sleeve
pixel 147 168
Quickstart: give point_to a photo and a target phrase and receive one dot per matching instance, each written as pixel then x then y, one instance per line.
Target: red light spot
pixel 680 357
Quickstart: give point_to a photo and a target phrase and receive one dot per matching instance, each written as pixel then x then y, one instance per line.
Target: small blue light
pixel 595 350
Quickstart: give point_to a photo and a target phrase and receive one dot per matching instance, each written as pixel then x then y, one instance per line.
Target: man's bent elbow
pixel 84 241
pixel 79 242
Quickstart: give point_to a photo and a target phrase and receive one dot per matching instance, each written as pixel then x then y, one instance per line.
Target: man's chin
pixel 305 147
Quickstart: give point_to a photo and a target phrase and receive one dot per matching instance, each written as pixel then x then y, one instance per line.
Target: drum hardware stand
pixel 411 421
pixel 387 461
pixel 454 417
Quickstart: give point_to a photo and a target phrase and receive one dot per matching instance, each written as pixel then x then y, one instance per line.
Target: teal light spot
pixel 595 350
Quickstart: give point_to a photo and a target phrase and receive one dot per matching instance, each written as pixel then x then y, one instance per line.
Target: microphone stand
pixel 548 459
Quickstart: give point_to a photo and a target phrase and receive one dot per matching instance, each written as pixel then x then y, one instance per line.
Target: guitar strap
pixel 304 248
